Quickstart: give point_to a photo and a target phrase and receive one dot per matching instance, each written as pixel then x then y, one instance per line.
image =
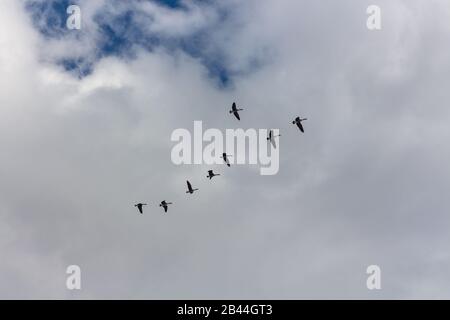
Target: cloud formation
pixel 366 184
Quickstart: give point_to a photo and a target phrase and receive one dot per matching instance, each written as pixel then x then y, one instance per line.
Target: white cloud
pixel 364 185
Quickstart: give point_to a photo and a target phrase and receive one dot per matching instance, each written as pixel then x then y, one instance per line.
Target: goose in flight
pixel 190 190
pixel 165 205
pixel 298 122
pixel 139 206
pixel 271 138
pixel 225 158
pixel 234 110
pixel 211 174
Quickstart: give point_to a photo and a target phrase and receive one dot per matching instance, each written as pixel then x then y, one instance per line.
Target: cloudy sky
pixel 85 123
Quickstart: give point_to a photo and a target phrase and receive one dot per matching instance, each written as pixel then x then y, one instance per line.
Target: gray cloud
pixel 364 185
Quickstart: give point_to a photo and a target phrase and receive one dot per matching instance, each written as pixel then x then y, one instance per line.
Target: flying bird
pixel 225 158
pixel 271 138
pixel 165 205
pixel 190 190
pixel 298 122
pixel 139 206
pixel 211 174
pixel 234 110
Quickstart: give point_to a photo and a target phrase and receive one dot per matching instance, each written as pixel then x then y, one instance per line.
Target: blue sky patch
pixel 120 35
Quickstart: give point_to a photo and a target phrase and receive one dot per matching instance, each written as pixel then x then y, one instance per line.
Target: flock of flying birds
pixel 235 111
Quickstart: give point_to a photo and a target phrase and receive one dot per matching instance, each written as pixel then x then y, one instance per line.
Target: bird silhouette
pixel 271 138
pixel 165 205
pixel 139 206
pixel 298 122
pixel 234 110
pixel 190 190
pixel 225 158
pixel 211 174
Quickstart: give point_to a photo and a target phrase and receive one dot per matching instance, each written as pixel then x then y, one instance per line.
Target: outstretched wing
pixel 272 141
pixel 139 208
pixel 300 126
pixel 189 186
pixel 236 114
pixel 210 172
pixel 165 207
pixel 233 107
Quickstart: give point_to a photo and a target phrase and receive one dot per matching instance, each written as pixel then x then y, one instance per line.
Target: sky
pixel 86 118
